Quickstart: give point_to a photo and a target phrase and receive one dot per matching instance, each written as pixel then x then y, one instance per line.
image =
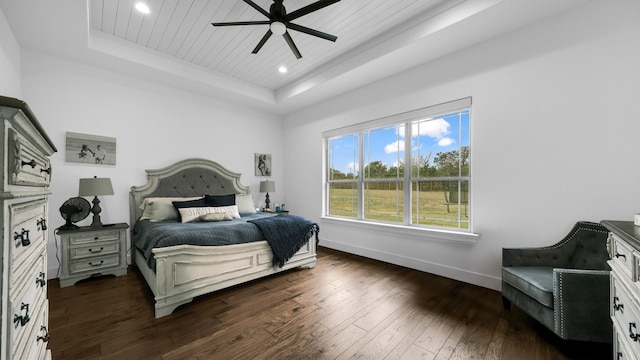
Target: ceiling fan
pixel 279 22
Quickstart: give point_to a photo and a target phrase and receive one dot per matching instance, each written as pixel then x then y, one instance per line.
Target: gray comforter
pixel 149 235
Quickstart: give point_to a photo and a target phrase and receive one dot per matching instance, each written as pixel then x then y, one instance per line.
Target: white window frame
pixel 404 118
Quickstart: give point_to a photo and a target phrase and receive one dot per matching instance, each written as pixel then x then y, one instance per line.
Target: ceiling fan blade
pixel 261 10
pixel 313 32
pixel 264 39
pixel 292 45
pixel 236 23
pixel 309 9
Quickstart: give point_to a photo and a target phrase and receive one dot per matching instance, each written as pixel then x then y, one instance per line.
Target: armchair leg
pixel 506 303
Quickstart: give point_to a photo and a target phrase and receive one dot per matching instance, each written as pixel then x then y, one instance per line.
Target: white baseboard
pixel 450 272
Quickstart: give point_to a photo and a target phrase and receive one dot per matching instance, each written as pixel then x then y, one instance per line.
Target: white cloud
pixel 436 129
pixel 394 147
pixel 352 167
pixel 446 141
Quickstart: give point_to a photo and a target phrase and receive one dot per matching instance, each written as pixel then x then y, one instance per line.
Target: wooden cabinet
pixel 624 248
pixel 93 250
pixel 24 198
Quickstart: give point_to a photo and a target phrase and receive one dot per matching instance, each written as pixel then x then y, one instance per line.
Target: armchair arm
pixel 581 304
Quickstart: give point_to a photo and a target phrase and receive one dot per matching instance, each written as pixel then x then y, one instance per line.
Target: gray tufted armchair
pixel 564 286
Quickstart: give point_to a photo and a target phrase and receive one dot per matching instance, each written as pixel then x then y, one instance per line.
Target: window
pixel 409 169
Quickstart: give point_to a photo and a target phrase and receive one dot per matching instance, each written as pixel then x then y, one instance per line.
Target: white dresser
pixel 24 193
pixel 624 248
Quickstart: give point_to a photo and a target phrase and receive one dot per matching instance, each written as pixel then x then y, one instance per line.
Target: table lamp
pixel 267 186
pixel 93 187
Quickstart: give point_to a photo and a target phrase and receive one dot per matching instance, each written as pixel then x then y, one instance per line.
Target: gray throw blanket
pixel 286 234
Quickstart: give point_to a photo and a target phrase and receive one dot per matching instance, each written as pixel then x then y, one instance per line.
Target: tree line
pixel 443 164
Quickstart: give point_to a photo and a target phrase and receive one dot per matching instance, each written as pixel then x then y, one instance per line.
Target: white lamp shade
pixel 267 186
pixel 95 186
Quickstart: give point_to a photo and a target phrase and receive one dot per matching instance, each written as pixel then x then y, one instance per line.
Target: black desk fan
pixel 74 210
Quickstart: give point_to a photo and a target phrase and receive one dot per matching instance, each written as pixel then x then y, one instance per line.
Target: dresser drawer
pixel 621 346
pixel 94 250
pixel 26 303
pixel 27 164
pixel 94 264
pixel 622 255
pixel 28 231
pixel 625 312
pixel 93 237
pixel 36 344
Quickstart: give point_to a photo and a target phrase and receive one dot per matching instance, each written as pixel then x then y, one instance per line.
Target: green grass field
pixel 429 207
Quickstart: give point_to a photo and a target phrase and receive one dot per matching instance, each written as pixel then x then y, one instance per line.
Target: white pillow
pixel 245 204
pixel 161 208
pixel 194 213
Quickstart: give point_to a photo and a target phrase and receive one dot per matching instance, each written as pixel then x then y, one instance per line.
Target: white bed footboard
pixel 186 271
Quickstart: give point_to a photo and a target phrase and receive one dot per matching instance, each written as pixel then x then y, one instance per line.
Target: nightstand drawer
pixel 94 250
pixel 94 264
pixel 92 237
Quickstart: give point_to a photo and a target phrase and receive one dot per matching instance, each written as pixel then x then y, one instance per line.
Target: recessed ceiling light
pixel 282 69
pixel 142 7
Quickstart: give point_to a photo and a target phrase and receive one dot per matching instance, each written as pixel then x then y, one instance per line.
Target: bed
pixel 178 273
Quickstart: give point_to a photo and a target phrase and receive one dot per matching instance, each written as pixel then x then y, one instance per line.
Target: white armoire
pixel 24 195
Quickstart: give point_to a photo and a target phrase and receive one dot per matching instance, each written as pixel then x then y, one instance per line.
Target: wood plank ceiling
pixel 182 29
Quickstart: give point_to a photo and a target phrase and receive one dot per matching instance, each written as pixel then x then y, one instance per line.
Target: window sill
pixel 428 233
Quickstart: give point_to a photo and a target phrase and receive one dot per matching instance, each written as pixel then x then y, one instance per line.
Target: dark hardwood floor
pixel 347 307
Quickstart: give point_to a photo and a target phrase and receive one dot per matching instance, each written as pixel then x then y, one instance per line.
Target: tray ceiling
pixel 176 44
pixel 182 29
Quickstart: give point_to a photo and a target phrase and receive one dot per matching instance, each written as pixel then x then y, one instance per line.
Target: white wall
pixel 554 139
pixel 10 84
pixel 154 126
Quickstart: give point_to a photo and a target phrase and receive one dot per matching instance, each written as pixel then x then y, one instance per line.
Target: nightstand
pixel 91 250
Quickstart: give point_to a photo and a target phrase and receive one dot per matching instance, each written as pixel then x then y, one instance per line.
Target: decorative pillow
pixel 216 217
pixel 245 204
pixel 161 208
pixel 220 200
pixel 231 210
pixel 188 204
pixel 194 213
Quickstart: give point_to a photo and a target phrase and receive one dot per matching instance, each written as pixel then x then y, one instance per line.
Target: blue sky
pixel 433 135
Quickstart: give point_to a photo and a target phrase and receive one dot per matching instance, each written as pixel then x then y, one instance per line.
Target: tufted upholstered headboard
pixel 190 177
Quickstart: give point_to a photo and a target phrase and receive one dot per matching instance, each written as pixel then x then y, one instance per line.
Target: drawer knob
pixel 40 280
pixel 96 251
pixel 23 236
pixel 22 319
pixel 44 338
pixel 42 224
pixel 100 263
pixel 617 306
pixel 48 171
pixel 632 332
pixel 31 163
pixel 619 356
pixel 621 256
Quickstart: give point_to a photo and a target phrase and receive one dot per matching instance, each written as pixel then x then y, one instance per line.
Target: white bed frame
pixel 186 271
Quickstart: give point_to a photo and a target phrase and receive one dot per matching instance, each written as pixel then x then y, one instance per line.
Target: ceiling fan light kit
pixel 279 22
